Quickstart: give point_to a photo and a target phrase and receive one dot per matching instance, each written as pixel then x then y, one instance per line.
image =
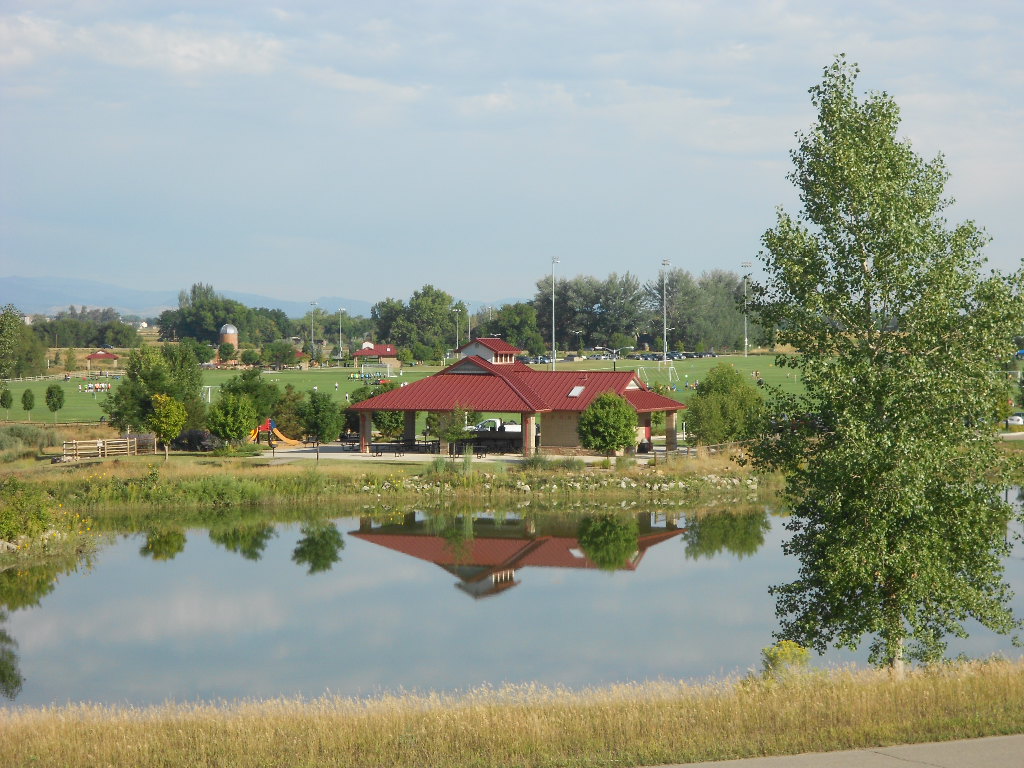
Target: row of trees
pixel 85 328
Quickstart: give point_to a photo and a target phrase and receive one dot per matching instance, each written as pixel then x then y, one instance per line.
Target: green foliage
pixel 247 540
pixel 608 424
pixel 451 427
pixel 6 401
pixel 251 357
pixel 54 399
pixel 202 311
pixel 226 351
pixel 897 517
pixel 167 420
pixel 163 544
pixel 287 412
pixel 784 660
pixel 28 402
pixel 25 510
pixel 319 548
pixel 609 540
pixel 70 360
pixel 322 419
pixel 232 417
pixel 426 325
pixel 279 353
pixel 22 353
pixel 166 370
pixel 741 534
pixel 19 441
pixel 726 407
pixel 263 394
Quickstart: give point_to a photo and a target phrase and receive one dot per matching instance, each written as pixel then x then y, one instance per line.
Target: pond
pixel 359 606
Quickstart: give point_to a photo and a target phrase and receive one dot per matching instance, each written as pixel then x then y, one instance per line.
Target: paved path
pixel 990 752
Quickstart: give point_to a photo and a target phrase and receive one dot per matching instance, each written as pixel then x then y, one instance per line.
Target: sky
pixel 365 149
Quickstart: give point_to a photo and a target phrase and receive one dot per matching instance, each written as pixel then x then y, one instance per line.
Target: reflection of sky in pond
pixel 212 624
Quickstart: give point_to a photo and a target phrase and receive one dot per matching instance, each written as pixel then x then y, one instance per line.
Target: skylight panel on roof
pixel 576 391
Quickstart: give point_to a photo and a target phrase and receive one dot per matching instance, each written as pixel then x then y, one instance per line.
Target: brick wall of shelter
pixel 559 429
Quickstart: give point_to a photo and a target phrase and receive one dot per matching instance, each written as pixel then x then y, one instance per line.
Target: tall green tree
pixel 170 369
pixel 6 401
pixel 897 515
pixel 54 399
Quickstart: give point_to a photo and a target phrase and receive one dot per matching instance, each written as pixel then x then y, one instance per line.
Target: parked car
pixel 1017 420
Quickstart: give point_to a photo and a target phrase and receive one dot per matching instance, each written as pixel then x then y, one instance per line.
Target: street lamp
pixel 615 354
pixel 664 310
pixel 554 354
pixel 745 265
pixel 579 340
pixel 312 311
pixel 341 311
pixel 456 311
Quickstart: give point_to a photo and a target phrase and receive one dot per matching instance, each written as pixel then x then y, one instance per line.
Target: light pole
pixel 312 311
pixel 554 355
pixel 664 310
pixel 456 311
pixel 745 265
pixel 579 341
pixel 341 311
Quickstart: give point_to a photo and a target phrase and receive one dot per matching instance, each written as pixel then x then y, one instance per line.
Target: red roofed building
pixel 491 350
pixel 385 354
pixel 101 358
pixel 486 564
pixel 476 383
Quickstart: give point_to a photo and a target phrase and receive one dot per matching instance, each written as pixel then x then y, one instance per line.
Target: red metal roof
pixel 544 551
pixel 377 350
pixel 499 346
pixel 102 356
pixel 482 386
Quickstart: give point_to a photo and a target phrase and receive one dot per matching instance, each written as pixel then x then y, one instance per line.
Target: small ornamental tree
pixel 70 360
pixel 232 417
pixel 28 402
pixel 321 418
pixel 226 351
pixel 609 540
pixel 608 424
pixel 167 419
pixel 6 401
pixel 250 357
pixel 727 406
pixel 54 399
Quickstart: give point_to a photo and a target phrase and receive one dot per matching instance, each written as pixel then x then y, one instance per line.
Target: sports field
pixel 82 405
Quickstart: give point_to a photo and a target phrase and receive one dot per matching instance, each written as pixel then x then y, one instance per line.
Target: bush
pixel 608 424
pixel 197 440
pixel 24 510
pixel 784 659
pixel 20 441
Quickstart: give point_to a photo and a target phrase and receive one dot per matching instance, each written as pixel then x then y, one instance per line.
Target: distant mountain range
pixel 49 295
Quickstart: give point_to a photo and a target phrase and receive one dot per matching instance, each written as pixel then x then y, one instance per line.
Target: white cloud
pixel 369 86
pixel 23 39
pixel 178 50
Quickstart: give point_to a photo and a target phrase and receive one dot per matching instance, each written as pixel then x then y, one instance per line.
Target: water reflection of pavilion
pixel 486 558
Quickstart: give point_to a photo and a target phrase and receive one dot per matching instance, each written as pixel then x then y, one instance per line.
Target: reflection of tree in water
pixel 740 534
pixel 456 530
pixel 23 587
pixel 247 540
pixel 10 676
pixel 163 544
pixel 610 541
pixel 319 548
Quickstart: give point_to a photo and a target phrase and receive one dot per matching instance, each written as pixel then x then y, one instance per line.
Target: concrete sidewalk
pixel 989 752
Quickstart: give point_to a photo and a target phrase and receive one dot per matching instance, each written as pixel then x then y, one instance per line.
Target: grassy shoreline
pixel 643 724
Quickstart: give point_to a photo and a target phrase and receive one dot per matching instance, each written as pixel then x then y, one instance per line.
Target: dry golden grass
pixel 534 726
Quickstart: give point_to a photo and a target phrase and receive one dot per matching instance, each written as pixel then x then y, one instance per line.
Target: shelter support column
pixel 410 427
pixel 365 431
pixel 671 437
pixel 529 421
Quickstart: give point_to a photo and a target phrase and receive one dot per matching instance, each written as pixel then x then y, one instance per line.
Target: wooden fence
pixel 100 449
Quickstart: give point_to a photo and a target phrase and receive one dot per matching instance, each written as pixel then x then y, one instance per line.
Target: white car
pixel 1017 420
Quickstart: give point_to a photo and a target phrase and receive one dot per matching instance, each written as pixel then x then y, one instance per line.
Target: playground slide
pixel 254 436
pixel 286 440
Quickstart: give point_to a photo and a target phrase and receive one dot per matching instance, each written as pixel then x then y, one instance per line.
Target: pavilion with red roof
pixel 488 562
pixel 386 354
pixel 490 379
pixel 102 356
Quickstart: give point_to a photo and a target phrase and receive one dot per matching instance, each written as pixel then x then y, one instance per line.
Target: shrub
pixel 24 510
pixel 197 440
pixel 784 659
pixel 608 424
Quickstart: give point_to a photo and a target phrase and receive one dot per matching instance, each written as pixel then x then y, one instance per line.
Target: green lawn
pixel 85 406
